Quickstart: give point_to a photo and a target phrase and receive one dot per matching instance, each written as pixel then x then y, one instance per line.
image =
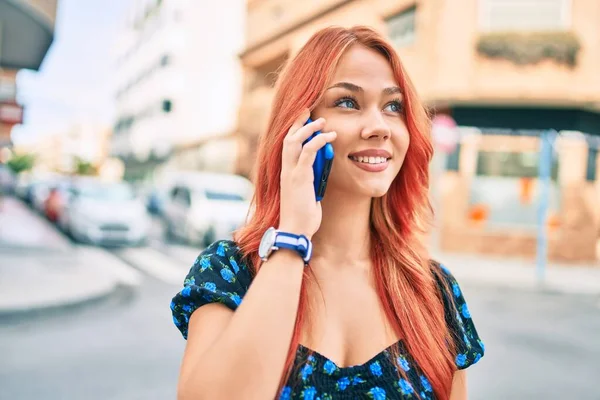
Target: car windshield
pixel 107 192
pixel 214 195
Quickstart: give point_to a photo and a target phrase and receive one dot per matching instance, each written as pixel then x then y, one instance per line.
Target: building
pixel 505 71
pixel 26 33
pixel 178 84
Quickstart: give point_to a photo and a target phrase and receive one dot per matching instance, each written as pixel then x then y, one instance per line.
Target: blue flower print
pixel 477 358
pixel 176 321
pixel 466 340
pixel 204 264
pixel 342 384
pixel 306 371
pixel 455 289
pixel 461 360
pixel 236 299
pixel 221 250
pixel 309 393
pixel 234 265
pixel 228 275
pixel 173 306
pixel 186 291
pixel 465 311
pixel 376 369
pixel 403 363
pixel 357 380
pixel 210 286
pixel 425 383
pixel 187 308
pixel 311 358
pixel 286 393
pixel 189 281
pixel 329 367
pixel 377 393
pixel 405 386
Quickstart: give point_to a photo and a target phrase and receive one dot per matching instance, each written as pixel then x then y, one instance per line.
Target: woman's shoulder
pixel 469 346
pixel 218 275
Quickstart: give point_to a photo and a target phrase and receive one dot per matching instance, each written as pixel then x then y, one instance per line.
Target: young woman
pixel 366 313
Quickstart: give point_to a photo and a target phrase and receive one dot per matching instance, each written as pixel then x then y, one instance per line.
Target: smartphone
pixel 321 166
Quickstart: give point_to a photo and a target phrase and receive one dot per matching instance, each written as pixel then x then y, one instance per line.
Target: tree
pixel 83 167
pixel 21 162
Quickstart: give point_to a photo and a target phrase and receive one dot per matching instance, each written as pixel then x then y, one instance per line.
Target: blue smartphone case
pixel 321 166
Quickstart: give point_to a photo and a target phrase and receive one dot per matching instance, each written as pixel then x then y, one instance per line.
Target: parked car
pixel 105 214
pixel 204 207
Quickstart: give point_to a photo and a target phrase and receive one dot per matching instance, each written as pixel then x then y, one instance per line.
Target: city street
pixel 538 345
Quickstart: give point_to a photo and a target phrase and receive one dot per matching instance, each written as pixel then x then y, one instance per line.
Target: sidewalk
pixel 21 227
pixel 40 269
pixel 522 274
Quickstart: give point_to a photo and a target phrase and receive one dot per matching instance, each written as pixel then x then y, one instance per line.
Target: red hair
pixel 405 281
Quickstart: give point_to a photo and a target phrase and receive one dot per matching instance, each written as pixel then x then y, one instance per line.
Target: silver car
pixel 105 214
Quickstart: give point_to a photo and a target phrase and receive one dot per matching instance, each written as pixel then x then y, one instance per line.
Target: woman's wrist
pixel 296 230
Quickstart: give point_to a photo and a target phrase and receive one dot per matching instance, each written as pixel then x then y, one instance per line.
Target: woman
pixel 370 315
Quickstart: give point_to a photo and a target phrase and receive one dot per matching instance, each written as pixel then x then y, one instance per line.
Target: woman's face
pixel 364 105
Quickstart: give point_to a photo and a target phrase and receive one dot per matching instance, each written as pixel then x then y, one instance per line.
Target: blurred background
pixel 128 132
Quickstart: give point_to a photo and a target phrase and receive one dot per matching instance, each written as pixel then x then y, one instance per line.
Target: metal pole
pixel 545 172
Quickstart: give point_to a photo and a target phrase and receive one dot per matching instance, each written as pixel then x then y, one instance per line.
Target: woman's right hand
pixel 300 213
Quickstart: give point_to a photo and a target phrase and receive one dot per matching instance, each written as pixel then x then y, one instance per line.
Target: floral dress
pixel 219 275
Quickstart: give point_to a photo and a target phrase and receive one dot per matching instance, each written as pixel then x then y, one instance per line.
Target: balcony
pixel 268 19
pixel 27 32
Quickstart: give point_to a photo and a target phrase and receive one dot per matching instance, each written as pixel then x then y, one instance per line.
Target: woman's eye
pixel 346 103
pixel 394 106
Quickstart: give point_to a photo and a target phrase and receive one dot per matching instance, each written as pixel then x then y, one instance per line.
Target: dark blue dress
pixel 219 275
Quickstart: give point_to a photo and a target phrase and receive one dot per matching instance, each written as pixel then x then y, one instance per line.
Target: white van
pixel 202 207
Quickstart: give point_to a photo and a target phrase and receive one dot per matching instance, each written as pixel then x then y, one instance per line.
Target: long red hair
pixel 400 219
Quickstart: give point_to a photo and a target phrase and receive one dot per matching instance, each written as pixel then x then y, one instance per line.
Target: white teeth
pixel 369 160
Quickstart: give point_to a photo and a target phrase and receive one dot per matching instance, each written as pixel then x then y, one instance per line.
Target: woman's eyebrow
pixel 347 85
pixel 357 89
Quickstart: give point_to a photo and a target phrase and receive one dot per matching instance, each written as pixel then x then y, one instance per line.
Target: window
pixel 401 28
pixel 525 15
pixel 167 106
pixel 506 191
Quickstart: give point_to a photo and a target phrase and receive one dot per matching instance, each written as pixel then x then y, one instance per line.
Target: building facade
pixel 505 71
pixel 26 33
pixel 178 81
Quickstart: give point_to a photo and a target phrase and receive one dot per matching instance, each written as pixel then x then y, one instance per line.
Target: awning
pixel 26 32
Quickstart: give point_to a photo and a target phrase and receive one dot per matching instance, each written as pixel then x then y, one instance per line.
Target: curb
pixel 117 291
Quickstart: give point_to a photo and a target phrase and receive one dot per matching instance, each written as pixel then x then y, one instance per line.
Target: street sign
pixel 445 133
pixel 11 113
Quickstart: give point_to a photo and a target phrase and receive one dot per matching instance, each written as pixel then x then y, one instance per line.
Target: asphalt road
pixel 538 346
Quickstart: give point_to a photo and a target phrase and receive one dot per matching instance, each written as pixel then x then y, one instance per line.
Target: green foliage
pixel 21 162
pixel 83 167
pixel 531 48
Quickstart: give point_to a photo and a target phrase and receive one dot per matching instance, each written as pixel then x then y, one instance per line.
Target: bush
pixel 21 162
pixel 531 48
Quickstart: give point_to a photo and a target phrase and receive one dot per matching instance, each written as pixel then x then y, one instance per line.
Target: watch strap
pixel 298 243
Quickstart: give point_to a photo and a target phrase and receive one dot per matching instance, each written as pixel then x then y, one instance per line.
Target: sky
pixel 75 80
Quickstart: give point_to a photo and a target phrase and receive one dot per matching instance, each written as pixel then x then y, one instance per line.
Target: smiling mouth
pixel 370 160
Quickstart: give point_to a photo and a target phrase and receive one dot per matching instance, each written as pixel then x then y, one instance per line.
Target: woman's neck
pixel 344 234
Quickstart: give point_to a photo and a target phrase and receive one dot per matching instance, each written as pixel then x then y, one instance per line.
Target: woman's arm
pixel 459 385
pixel 241 355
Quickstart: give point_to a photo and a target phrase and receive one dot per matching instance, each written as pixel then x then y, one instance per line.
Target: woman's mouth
pixel 371 164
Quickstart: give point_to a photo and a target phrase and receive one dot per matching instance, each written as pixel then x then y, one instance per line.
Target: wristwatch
pixel 274 239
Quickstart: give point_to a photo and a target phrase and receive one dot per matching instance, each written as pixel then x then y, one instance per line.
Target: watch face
pixel 267 242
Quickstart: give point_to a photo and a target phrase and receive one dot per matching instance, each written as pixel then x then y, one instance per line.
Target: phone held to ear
pixel 321 166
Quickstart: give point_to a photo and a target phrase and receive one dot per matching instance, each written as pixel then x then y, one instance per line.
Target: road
pixel 538 345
